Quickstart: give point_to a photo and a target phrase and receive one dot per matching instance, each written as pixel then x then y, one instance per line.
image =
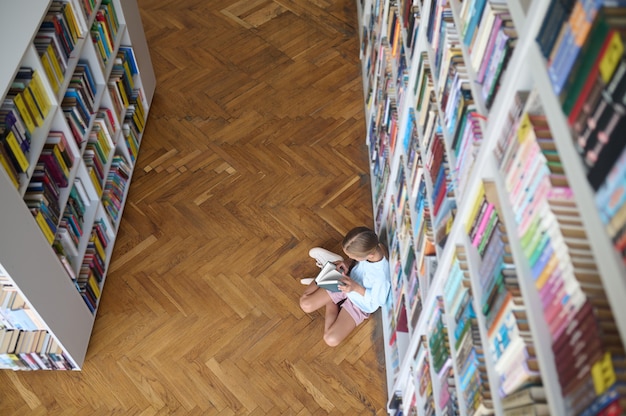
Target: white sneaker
pixel 307 281
pixel 322 256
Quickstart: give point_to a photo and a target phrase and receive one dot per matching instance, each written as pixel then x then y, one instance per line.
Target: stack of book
pixel 587 348
pixel 439 348
pixel 90 279
pixel 104 31
pixel 441 32
pixel 592 95
pixel 425 386
pixel 438 338
pixel 44 189
pixel 54 62
pixel 465 339
pixel 67 239
pixel 490 37
pixel 530 400
pixel 410 17
pixel 465 146
pixel 443 200
pixel 423 90
pixel 15 141
pixel 42 198
pixel 64 25
pixel 24 341
pixel 28 96
pixel 448 400
pixel 78 102
pixel 115 187
pixel 98 151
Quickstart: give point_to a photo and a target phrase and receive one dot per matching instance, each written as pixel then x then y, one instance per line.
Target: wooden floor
pixel 254 152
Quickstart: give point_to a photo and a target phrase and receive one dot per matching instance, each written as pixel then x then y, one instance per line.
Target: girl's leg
pixel 338 325
pixel 314 298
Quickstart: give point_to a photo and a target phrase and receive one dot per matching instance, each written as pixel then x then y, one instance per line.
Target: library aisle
pixel 253 152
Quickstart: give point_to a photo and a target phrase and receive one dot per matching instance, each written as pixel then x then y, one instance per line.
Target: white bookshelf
pixel 26 257
pixel 526 71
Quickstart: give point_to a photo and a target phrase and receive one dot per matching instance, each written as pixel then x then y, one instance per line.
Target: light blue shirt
pixel 375 278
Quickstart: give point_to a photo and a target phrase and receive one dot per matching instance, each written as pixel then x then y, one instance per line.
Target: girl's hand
pixel 349 285
pixel 342 266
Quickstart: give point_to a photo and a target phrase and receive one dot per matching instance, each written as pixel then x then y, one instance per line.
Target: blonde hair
pixel 360 242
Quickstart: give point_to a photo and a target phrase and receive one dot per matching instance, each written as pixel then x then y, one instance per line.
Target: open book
pixel 329 277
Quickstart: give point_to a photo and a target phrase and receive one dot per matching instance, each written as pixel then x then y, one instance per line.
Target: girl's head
pixel 360 243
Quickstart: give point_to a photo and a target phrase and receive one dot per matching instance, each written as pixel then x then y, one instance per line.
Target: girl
pixel 365 288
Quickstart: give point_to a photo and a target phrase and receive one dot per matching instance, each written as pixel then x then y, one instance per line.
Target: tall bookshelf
pixel 77 82
pixel 501 203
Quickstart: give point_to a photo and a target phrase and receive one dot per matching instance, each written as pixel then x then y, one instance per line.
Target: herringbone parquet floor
pixel 254 152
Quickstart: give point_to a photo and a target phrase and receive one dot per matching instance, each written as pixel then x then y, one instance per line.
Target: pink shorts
pixel 357 314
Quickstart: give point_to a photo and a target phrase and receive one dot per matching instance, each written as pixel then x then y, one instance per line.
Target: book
pixel 539 409
pixel 329 277
pixel 524 397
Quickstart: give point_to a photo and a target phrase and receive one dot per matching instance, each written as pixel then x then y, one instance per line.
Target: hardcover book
pixel 329 277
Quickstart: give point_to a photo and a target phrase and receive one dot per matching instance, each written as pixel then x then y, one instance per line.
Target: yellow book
pixel 59 157
pixel 54 59
pixel 72 24
pixel 31 103
pixel 47 67
pixel 93 284
pixel 24 113
pixel 129 74
pixel 101 49
pixel 123 94
pixel 475 208
pixel 96 183
pixel 611 58
pixel 45 228
pixel 39 92
pixel 98 245
pixel 17 151
pixel 8 167
pixel 138 121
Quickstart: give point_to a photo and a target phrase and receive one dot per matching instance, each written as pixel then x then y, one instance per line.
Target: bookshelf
pixel 83 70
pixel 497 184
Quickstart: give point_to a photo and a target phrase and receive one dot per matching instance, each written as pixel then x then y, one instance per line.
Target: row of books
pixel 98 151
pixel 596 120
pixel 91 275
pixel 585 340
pixel 67 240
pixel 439 351
pixel 469 362
pixel 509 337
pixel 64 25
pixel 79 103
pixel 410 18
pixel 25 343
pixel 31 350
pixel 104 31
pixel 121 82
pixel 424 380
pixel 442 200
pixel 490 36
pixel 24 108
pixel 15 141
pixel 115 187
pixel 396 305
pixel 382 118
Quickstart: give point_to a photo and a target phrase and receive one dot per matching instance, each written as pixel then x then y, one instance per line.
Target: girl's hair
pixel 360 241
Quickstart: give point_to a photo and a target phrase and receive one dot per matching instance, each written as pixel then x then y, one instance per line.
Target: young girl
pixel 365 288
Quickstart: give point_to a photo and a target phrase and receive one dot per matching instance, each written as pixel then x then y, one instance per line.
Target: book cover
pixel 329 277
